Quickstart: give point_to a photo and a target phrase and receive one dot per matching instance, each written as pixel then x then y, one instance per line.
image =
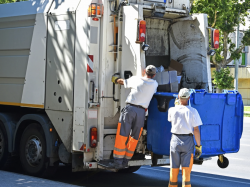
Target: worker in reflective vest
pixel 185 122
pixel 132 115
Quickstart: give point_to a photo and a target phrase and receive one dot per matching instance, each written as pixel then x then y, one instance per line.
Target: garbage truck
pixel 57 102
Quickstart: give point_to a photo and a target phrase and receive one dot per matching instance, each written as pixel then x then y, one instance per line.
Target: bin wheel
pixel 224 164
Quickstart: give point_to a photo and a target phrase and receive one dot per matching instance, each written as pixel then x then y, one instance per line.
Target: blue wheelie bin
pixel 221 114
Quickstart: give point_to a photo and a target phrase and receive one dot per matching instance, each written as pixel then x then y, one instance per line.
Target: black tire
pixel 5 156
pixel 224 164
pixel 33 152
pixel 131 169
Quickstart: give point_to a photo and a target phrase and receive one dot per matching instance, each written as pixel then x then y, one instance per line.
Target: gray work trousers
pixel 129 130
pixel 181 154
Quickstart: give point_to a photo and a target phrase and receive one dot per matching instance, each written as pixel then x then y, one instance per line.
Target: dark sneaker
pixel 115 165
pixel 125 163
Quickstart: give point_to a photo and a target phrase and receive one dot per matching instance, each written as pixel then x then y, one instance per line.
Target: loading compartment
pixel 183 40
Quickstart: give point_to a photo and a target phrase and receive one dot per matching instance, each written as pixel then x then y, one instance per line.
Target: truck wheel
pixel 131 169
pixel 5 156
pixel 33 151
pixel 224 164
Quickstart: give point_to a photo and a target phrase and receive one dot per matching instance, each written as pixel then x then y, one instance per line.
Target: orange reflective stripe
pixel 186 177
pixel 132 143
pixel 120 141
pixel 191 162
pixel 186 171
pixel 119 153
pixel 173 181
pixel 118 129
pixel 140 133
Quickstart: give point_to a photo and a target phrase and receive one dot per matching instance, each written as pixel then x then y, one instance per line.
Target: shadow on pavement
pixel 144 177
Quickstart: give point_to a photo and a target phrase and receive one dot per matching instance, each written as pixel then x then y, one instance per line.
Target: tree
pixel 7 1
pixel 10 1
pixel 225 15
pixel 223 79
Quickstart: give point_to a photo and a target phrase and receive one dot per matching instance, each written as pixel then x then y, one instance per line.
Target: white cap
pixel 151 70
pixel 184 93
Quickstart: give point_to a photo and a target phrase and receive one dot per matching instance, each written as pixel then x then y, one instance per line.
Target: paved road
pixel 10 179
pixel 239 163
pixel 207 175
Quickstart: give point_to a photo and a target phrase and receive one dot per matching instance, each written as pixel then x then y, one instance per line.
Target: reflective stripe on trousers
pixel 186 171
pixel 173 180
pixel 120 147
pixel 131 146
pixel 121 150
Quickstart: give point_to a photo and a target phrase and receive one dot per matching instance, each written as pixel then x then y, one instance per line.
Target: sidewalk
pixel 8 179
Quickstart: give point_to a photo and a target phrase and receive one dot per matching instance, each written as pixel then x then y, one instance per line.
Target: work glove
pixel 115 78
pixel 198 151
pixel 177 102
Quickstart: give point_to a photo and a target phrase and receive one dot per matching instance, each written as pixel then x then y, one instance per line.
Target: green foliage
pixel 223 79
pixel 9 1
pixel 246 115
pixel 247 108
pixel 225 15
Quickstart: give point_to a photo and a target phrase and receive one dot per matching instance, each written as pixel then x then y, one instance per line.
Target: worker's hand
pixel 198 151
pixel 115 78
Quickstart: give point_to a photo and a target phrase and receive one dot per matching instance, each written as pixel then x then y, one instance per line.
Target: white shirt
pixel 142 90
pixel 183 119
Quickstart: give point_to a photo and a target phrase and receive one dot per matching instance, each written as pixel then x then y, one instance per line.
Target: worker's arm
pixel 117 80
pixel 197 136
pixel 120 81
pixel 198 147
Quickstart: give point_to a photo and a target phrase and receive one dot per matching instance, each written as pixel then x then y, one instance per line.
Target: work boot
pixel 117 164
pixel 125 163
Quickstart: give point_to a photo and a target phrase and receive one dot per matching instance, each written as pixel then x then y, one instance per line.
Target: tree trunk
pixel 225 49
pixel 218 90
pixel 218 68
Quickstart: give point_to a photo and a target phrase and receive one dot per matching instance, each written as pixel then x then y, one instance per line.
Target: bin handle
pixel 241 120
pixel 197 91
pixel 200 91
pixel 230 91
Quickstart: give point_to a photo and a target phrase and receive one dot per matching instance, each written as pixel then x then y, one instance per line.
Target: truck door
pixel 93 59
pixel 188 45
pixel 131 52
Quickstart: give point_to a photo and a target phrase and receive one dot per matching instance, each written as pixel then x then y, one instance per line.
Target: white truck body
pixel 58 62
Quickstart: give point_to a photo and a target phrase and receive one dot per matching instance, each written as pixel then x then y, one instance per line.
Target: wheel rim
pixel 33 151
pixel 1 144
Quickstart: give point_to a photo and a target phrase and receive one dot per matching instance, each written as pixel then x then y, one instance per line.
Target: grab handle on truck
pixel 92 88
pixel 116 100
